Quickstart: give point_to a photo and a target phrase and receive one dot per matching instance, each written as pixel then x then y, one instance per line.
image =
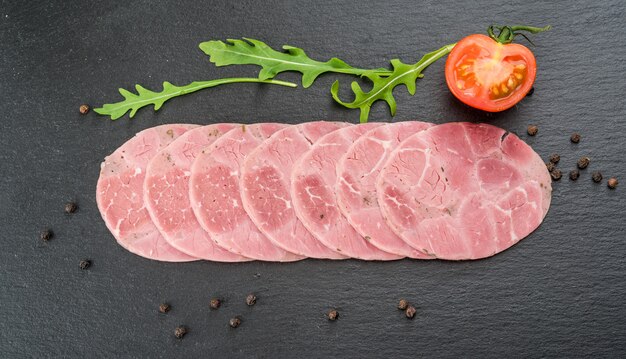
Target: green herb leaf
pixel 255 52
pixel 382 88
pixel 144 97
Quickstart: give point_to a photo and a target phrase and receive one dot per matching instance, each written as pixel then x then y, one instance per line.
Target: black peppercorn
pixel 555 158
pixel 410 312
pixel 215 303
pixel 180 332
pixel 70 207
pixel 164 308
pixel 550 166
pixel 575 138
pixel 596 177
pixel 531 91
pixel 532 130
pixel 45 235
pixel 333 315
pixel 583 162
pixel 573 175
pixel 84 109
pixel 84 264
pixel 234 322
pixel 612 182
pixel 556 174
pixel 251 299
pixel 403 304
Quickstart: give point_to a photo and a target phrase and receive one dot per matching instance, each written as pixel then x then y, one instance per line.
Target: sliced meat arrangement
pixel 119 194
pixel 275 192
pixel 216 199
pixel 166 195
pixel 357 172
pixel 313 181
pixel 463 191
pixel 265 186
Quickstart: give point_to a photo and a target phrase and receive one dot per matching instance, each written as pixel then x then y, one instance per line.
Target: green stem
pixel 359 72
pixel 508 33
pixel 199 85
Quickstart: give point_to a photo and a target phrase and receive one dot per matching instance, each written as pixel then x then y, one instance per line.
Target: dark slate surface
pixel 559 293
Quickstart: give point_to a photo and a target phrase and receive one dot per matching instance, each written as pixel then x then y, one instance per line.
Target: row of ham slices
pixel 275 192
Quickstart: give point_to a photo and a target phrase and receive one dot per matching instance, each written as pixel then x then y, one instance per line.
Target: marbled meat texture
pixel 119 194
pixel 357 172
pixel 463 191
pixel 265 188
pixel 216 199
pixel 313 181
pixel 166 193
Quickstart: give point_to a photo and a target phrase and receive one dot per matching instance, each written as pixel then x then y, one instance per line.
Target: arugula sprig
pixel 254 52
pixel 144 97
pixel 382 88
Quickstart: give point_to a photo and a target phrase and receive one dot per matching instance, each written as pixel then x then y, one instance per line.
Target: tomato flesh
pixel 488 75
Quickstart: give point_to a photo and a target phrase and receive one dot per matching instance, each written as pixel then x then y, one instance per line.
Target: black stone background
pixel 559 293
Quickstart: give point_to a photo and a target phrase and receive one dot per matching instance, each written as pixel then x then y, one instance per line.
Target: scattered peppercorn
pixel 583 162
pixel 180 332
pixel 532 130
pixel 234 322
pixel 70 207
pixel 550 166
pixel 333 315
pixel 403 304
pixel 164 308
pixel 556 174
pixel 215 303
pixel 531 91
pixel 575 138
pixel 84 264
pixel 84 109
pixel 45 235
pixel 596 177
pixel 612 183
pixel 555 158
pixel 251 299
pixel 573 175
pixel 410 312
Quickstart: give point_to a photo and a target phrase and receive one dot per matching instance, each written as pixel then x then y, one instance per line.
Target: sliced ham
pixel 119 194
pixel 265 184
pixel 463 191
pixel 216 199
pixel 357 172
pixel 166 194
pixel 313 181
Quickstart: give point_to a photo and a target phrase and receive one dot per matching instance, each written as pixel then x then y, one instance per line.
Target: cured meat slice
pixel 265 178
pixel 216 199
pixel 166 194
pixel 313 181
pixel 463 191
pixel 119 194
pixel 357 172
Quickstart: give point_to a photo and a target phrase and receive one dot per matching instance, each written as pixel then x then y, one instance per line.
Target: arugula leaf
pixel 255 52
pixel 144 97
pixel 382 89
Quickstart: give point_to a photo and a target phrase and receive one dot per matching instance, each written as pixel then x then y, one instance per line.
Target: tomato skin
pixel 488 75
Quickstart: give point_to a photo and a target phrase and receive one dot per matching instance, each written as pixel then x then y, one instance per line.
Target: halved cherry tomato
pixel 489 75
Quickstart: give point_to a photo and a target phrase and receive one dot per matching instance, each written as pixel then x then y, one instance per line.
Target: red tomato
pixel 488 75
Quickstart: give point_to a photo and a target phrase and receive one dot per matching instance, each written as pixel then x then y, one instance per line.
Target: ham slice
pixel 463 191
pixel 358 170
pixel 119 194
pixel 313 181
pixel 216 199
pixel 265 184
pixel 166 194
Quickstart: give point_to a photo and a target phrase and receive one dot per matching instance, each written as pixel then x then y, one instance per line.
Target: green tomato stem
pixel 508 33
